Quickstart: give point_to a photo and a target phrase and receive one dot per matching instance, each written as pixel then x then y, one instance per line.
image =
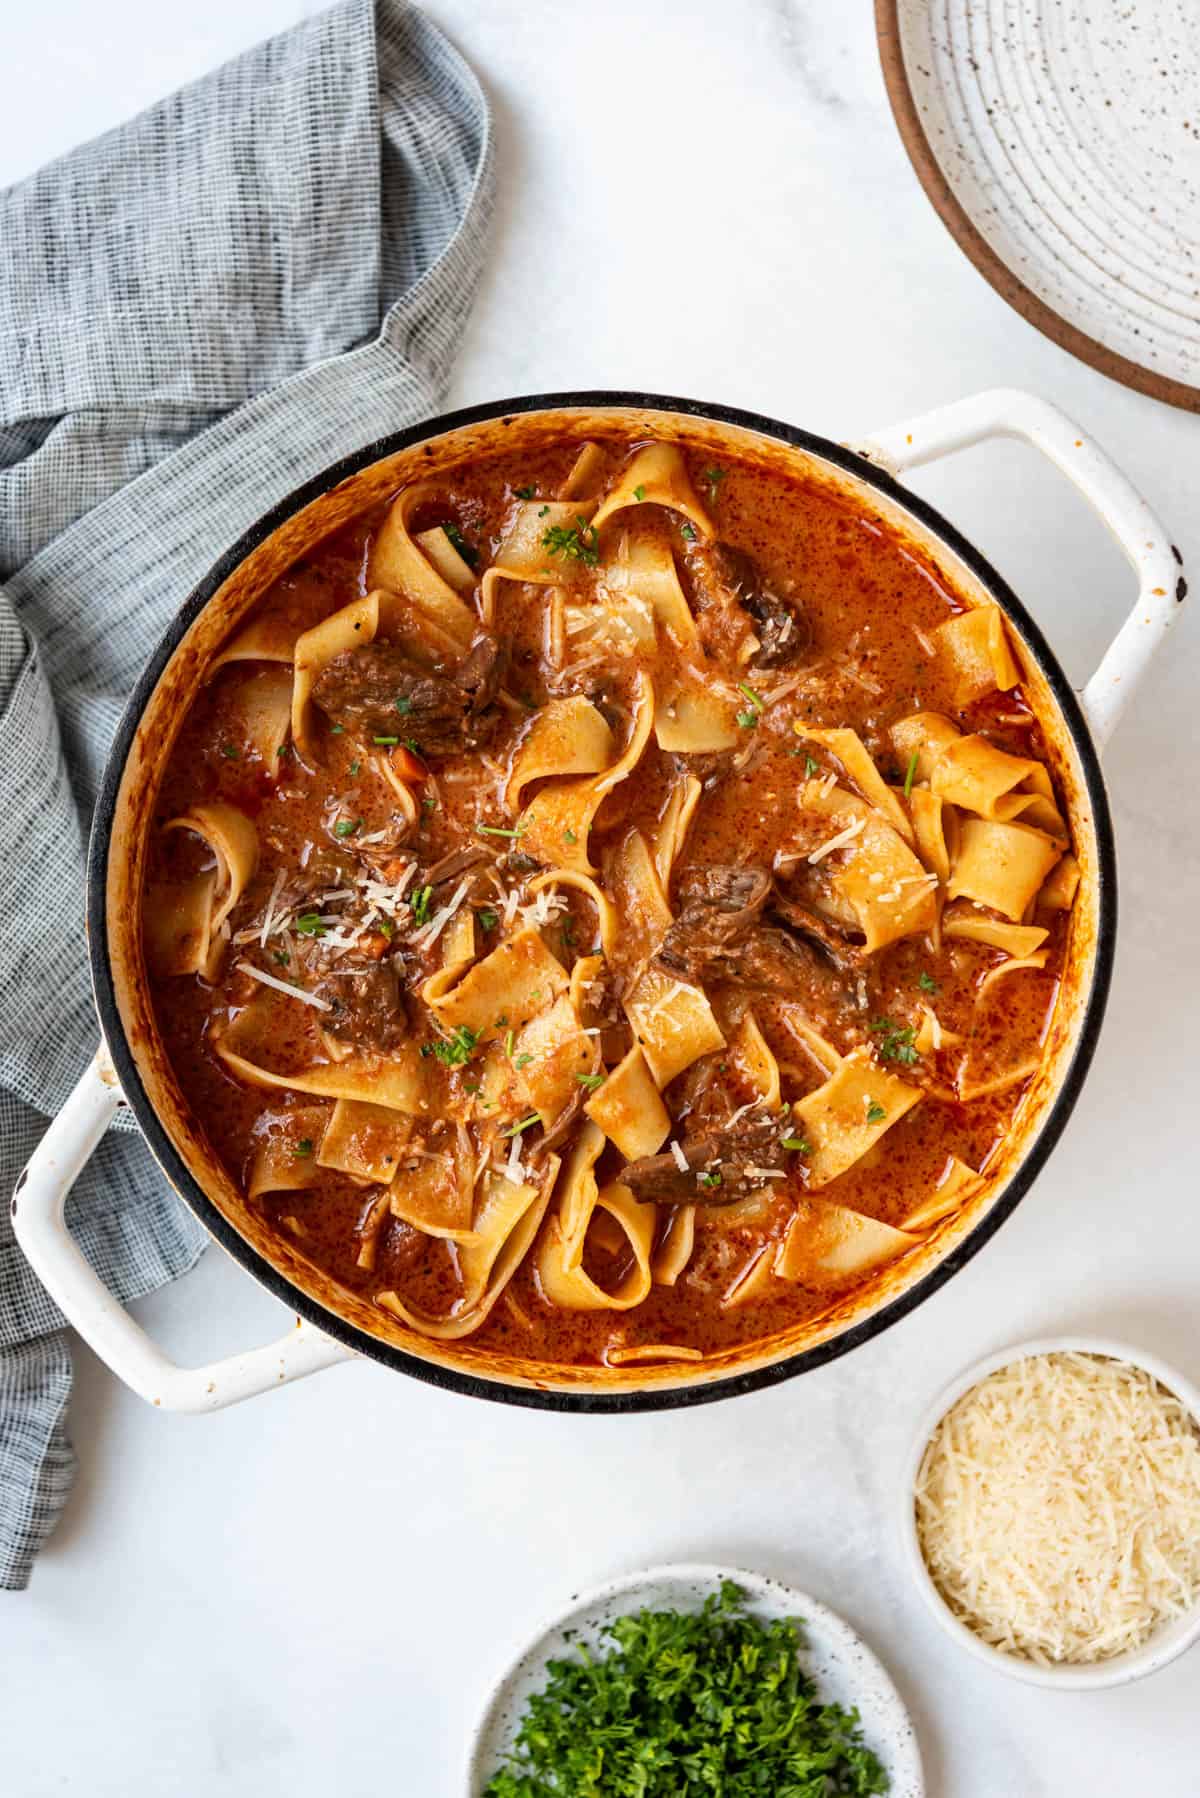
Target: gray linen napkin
pixel 198 312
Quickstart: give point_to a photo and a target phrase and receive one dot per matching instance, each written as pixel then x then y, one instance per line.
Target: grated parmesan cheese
pixel 282 986
pixel 840 840
pixel 1058 1508
pixel 681 1160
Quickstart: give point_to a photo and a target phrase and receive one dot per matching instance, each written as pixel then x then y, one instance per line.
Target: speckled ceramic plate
pixel 1059 141
pixel 844 1668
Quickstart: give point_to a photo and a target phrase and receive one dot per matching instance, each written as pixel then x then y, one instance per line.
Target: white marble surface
pixel 309 1594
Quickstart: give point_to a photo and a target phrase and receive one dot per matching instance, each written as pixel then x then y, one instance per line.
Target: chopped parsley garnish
pixel 895 1041
pixel 811 768
pixel 523 492
pixel 458 541
pixel 429 803
pixel 714 477
pixel 282 957
pixel 639 494
pixel 712 1179
pixel 310 923
pixel 335 730
pixel 522 1061
pixel 542 511
pixel 688 530
pixel 751 695
pixel 488 919
pixel 411 743
pixel 591 1081
pixel 910 772
pixel 354 768
pixel 748 720
pixel 284 749
pixel 231 752
pixel 875 1112
pixel 304 1146
pixel 346 827
pixel 403 705
pixel 509 1040
pixel 456 1049
pixel 525 1124
pixel 576 543
pixel 386 928
pixel 496 830
pixel 927 983
pixel 714 1702
pixel 418 902
pixel 386 741
pixel 569 836
pixel 800 1144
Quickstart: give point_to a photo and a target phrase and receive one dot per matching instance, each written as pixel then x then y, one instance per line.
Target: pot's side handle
pixel 39 1223
pixel 1007 412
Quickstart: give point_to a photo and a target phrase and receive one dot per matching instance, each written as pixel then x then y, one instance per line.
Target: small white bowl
pixel 1164 1645
pixel 845 1670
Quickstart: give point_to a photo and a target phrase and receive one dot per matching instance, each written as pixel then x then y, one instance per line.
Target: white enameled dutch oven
pixel 130 1067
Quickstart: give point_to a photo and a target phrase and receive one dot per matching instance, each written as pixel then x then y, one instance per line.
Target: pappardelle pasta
pixel 606 905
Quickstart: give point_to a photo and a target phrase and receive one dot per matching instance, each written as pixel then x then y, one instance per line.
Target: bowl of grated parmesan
pixel 1052 1512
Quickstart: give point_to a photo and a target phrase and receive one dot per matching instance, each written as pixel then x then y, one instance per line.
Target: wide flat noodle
pixel 607 923
pixel 1015 965
pixel 629 1110
pixel 974 774
pixel 1001 866
pixel 851 752
pixel 936 827
pixel 975 649
pixel 435 1192
pixel 348 628
pixel 890 893
pixel 751 1055
pixel 267 638
pixel 673 1022
pixel 926 735
pixel 444 559
pixel 506 1221
pixel 560 1254
pixel 285 1158
pixel 656 476
pixel 957 1184
pixel 694 719
pixel 397 1080
pixel 264 700
pixel 568 736
pixel 829 1246
pixel 964 925
pixel 848 1114
pixel 651 1351
pixel 673 825
pixel 553 1058
pixel 586 473
pixel 399 566
pixel 185 920
pixel 365 1140
pixel 1061 885
pixel 645 570
pixel 556 825
pixel 503 991
pixel 675 1250
pixel 637 896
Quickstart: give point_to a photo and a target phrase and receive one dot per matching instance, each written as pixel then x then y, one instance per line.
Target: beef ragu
pixel 605 906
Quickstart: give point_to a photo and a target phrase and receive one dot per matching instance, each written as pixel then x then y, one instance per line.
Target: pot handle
pixel 1007 412
pixel 39 1223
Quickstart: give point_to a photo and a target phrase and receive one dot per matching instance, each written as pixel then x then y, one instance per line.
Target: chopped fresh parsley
pixel 429 803
pixel 403 705
pixel 304 1146
pixel 522 1061
pixel 335 730
pixel 355 766
pixel 456 1049
pixel 569 836
pixel 386 928
pixel 576 543
pixel 310 923
pixel 910 773
pixel 284 749
pixel 927 983
pixel 418 902
pixel 525 1124
pixel 231 752
pixel 488 919
pixel 751 695
pixel 713 1703
pixel 591 1081
pixel 457 541
pixel 639 494
pixel 714 477
pixel 496 830
pixel 748 720
pixel 542 511
pixel 508 1043
pixel 895 1041
pixel 800 1144
pixel 875 1112
pixel 710 1179
pixel 386 741
pixel 811 768
pixel 688 530
pixel 523 492
pixel 282 957
pixel 346 827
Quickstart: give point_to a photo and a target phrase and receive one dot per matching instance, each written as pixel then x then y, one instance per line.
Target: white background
pixel 309 1594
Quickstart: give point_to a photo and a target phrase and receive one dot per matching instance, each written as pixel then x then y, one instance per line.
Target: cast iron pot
pixel 332 1323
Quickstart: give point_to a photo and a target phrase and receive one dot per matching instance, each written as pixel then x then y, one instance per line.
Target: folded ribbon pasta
pixel 829 1246
pixel 1001 866
pixel 974 646
pixel 185 920
pixel 556 824
pixel 848 1114
pixel 656 475
pixel 353 625
pixel 560 1253
pixel 399 565
pixel 568 736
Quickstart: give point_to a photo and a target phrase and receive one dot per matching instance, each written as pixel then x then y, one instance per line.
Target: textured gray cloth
pixel 198 312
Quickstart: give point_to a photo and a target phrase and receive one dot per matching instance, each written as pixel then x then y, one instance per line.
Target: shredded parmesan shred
pixel 1058 1508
